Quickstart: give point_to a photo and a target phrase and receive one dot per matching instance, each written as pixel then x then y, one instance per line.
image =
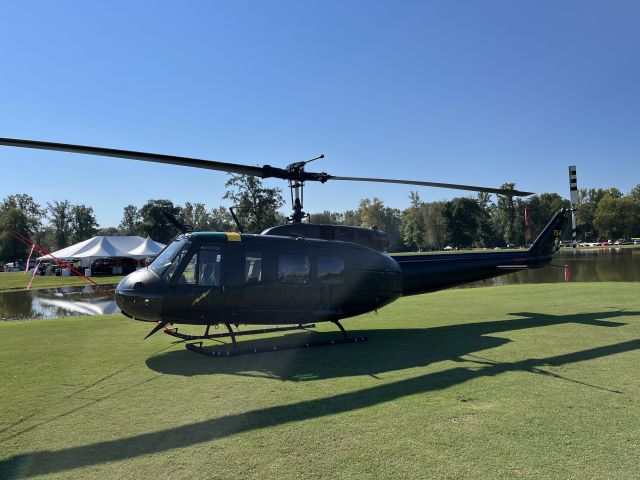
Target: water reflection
pixel 57 302
pixel 593 265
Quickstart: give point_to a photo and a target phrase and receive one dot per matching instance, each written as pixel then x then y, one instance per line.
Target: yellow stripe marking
pixel 233 236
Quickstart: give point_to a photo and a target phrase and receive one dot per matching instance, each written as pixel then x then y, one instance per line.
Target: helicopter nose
pixel 138 296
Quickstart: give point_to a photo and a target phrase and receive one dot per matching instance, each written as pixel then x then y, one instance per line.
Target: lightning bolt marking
pixel 201 297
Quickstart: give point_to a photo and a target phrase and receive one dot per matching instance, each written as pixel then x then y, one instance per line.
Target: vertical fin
pixel 546 243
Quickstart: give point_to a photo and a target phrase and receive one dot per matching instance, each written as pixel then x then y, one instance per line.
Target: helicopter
pixel 295 275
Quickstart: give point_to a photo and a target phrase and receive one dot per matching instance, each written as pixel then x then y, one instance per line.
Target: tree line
pixel 485 221
pixel 489 221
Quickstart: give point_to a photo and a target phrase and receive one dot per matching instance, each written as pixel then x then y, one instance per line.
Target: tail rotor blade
pixel 573 189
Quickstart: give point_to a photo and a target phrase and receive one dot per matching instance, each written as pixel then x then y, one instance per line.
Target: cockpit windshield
pixel 165 259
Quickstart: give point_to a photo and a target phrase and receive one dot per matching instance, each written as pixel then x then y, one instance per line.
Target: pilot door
pixel 198 286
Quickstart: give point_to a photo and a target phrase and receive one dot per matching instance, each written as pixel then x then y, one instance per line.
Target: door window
pixel 253 267
pixel 293 269
pixel 330 269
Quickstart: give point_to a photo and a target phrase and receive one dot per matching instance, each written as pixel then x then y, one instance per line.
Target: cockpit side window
pixel 168 258
pixel 204 267
pixel 170 272
pixel 189 273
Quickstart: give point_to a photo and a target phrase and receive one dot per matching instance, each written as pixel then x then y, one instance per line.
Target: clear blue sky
pixel 477 92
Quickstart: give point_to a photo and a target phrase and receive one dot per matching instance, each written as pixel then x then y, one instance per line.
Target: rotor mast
pixel 296 185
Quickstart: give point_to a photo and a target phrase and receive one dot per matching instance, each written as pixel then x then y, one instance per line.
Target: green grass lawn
pixel 538 381
pixel 20 280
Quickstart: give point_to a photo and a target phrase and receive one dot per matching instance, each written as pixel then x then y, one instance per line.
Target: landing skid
pixel 174 332
pixel 199 348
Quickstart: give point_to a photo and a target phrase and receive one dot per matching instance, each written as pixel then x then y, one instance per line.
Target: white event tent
pixel 108 247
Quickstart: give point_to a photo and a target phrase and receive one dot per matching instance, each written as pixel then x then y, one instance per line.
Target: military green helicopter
pixel 291 276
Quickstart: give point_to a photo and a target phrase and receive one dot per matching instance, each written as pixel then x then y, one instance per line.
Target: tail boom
pixel 429 273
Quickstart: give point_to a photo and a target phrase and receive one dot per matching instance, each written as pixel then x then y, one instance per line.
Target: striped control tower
pixel 573 187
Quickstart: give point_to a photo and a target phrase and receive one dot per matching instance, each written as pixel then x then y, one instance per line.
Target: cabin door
pixel 198 285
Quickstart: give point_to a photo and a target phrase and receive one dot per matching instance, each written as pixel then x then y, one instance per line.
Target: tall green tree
pixel 196 215
pixel 588 200
pixel 435 225
pixel 60 218
pixel 83 223
pixel 412 224
pixel 617 217
pixel 257 206
pixel 373 213
pixel 155 224
pixel 541 208
pixel 461 216
pixel 131 223
pixel 505 215
pixel 221 220
pixel 21 214
pixel 33 212
pixel 486 236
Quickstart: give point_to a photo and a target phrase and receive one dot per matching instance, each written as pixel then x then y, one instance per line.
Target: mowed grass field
pixel 20 280
pixel 538 381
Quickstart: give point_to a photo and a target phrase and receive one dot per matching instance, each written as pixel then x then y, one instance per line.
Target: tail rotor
pixel 573 188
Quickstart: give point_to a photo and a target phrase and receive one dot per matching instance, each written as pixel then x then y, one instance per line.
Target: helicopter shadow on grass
pixel 387 349
pixel 444 343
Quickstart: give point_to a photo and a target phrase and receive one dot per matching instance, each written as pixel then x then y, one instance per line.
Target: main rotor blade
pixel 263 172
pixel 472 188
pixel 266 171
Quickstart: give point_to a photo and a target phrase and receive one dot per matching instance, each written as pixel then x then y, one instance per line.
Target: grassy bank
pixel 508 382
pixel 20 280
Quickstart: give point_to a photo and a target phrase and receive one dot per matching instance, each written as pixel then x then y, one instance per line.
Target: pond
pixel 595 265
pixel 57 302
pixel 585 265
